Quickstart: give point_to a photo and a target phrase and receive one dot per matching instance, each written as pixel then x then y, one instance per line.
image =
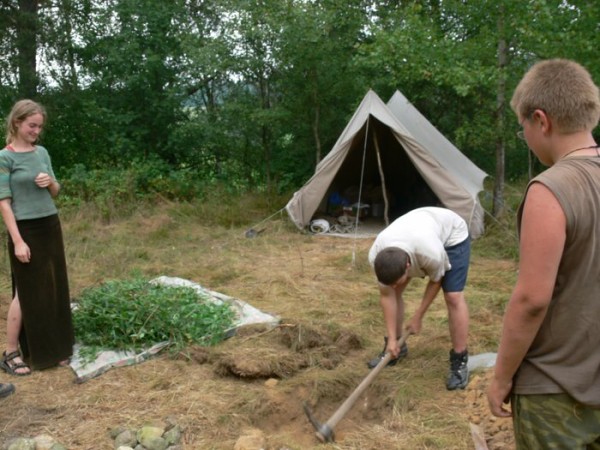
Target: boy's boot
pixel 458 375
pixel 403 352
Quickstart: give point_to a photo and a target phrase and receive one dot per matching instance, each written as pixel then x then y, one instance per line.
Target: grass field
pixel 254 384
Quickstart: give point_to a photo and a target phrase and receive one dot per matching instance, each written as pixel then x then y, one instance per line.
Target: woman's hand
pixel 43 180
pixel 22 252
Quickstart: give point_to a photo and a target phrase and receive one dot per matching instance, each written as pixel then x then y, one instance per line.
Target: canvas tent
pixel 395 147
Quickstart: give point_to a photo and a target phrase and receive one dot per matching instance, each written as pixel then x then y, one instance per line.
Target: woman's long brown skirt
pixel 46 336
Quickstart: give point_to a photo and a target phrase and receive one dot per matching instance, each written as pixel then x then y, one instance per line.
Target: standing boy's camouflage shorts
pixel 554 421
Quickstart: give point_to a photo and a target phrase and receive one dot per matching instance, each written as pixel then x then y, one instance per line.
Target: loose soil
pixel 256 382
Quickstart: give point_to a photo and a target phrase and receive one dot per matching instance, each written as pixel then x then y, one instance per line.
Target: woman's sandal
pixel 9 365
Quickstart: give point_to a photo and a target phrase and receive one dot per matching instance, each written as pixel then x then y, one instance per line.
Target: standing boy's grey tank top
pixel 565 354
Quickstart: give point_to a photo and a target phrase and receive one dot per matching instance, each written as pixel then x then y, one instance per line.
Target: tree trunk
pixel 27 26
pixel 316 117
pixel 67 7
pixel 265 131
pixel 498 203
pixel 315 128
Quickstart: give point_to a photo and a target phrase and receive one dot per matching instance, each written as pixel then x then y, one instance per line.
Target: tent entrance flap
pixel 405 188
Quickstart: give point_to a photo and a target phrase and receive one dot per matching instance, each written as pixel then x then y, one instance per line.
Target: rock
pixel 58 446
pixel 253 439
pixel 158 443
pixel 271 382
pixel 172 436
pixel 126 438
pixel 170 422
pixel 124 447
pixel 148 432
pixel 22 444
pixel 44 442
pixel 116 431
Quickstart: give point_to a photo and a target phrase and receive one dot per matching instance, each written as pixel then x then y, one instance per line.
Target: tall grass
pixel 112 193
pixel 500 239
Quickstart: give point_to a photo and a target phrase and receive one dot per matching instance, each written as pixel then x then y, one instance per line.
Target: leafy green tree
pixel 254 32
pixel 18 43
pixel 205 77
pixel 26 27
pixel 132 54
pixel 461 60
pixel 318 78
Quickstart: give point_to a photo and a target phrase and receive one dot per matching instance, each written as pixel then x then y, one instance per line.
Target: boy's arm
pixel 389 305
pixel 431 291
pixel 543 234
pixel 433 263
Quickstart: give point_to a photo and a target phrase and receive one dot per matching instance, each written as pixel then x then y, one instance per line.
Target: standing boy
pixel 432 242
pixel 548 361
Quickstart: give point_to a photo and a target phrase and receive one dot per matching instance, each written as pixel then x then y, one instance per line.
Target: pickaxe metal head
pixel 324 432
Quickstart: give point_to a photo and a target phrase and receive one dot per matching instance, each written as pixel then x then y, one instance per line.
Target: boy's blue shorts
pixel 456 278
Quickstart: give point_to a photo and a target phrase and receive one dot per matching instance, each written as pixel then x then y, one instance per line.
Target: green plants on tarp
pixel 133 314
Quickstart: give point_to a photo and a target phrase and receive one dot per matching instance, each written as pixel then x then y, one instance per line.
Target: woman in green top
pixel 39 317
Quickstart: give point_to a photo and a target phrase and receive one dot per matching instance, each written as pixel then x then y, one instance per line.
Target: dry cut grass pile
pixel 255 383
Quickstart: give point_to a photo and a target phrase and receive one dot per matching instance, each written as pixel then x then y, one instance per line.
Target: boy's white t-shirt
pixel 423 233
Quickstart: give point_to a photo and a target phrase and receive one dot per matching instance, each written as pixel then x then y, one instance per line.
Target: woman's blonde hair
pixel 564 90
pixel 21 111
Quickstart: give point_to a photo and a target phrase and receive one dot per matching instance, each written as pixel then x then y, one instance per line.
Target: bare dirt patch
pixel 288 349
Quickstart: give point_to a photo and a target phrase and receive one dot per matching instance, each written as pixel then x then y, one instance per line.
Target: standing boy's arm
pixel 542 238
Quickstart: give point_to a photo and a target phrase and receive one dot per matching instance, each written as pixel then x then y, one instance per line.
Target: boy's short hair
pixel 390 265
pixel 564 90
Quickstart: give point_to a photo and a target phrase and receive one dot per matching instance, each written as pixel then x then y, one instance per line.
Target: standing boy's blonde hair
pixel 564 90
pixel 21 111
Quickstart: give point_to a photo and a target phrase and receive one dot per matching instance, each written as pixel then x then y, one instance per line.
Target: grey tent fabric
pixel 421 167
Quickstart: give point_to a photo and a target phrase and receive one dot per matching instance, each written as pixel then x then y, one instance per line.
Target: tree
pixel 318 75
pixel 463 58
pixel 26 25
pixel 129 55
pixel 18 44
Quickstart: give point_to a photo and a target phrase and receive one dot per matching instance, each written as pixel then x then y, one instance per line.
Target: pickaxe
pixel 325 431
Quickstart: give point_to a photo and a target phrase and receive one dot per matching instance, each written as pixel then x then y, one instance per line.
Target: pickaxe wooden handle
pixel 325 431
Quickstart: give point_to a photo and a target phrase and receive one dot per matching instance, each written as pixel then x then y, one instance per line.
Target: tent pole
pixel 385 200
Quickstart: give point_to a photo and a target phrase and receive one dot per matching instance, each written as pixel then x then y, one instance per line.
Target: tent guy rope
pixel 360 187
